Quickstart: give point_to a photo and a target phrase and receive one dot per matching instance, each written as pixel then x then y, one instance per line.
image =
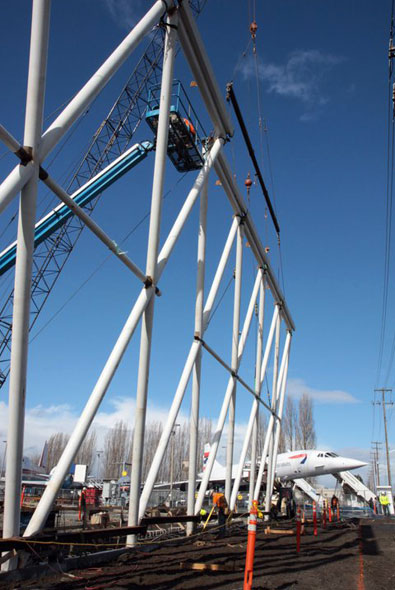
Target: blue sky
pixel 322 81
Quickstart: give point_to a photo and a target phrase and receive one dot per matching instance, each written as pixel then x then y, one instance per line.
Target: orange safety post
pixel 23 495
pixel 249 569
pixel 338 512
pixel 298 528
pixel 315 518
pixel 329 514
pixel 374 508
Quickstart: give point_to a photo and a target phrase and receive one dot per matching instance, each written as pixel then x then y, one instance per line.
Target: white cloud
pixel 123 12
pixel 41 422
pixel 300 77
pixel 297 387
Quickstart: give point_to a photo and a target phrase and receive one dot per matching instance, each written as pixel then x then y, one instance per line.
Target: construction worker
pixel 223 510
pixel 384 502
pixel 190 127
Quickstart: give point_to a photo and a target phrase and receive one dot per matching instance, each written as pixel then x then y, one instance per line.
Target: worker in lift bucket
pixel 191 130
pixel 385 503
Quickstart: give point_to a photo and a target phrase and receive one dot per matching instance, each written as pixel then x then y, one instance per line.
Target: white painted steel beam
pixel 282 388
pixel 269 430
pixel 23 271
pixel 275 396
pixel 151 267
pixel 199 63
pixel 195 402
pixel 234 362
pixel 94 228
pixel 255 403
pixel 262 371
pixel 258 386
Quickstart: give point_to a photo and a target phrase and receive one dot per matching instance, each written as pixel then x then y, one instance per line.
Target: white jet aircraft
pixel 311 463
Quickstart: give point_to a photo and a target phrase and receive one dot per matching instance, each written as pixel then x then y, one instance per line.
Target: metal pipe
pixel 258 386
pixel 225 403
pixel 151 267
pixel 234 362
pixel 9 140
pixel 23 271
pixel 85 420
pixel 269 429
pixel 76 107
pixel 280 413
pixel 270 466
pixel 255 404
pixel 199 63
pixel 95 229
pixel 195 402
pixel 191 359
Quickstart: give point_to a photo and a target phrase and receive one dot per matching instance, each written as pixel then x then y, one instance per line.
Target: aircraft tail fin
pixel 206 453
pixel 44 456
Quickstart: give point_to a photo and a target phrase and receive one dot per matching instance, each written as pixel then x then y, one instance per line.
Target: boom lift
pixel 184 150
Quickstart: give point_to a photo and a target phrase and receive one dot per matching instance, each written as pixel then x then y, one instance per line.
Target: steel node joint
pixel 148 283
pixel 25 154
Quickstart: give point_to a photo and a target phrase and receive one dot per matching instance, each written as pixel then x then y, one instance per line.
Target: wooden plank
pixel 214 567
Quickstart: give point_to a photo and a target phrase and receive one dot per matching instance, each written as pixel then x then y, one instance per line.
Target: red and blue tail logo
pixel 302 456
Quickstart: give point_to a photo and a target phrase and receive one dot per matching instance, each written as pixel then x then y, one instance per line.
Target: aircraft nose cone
pixel 353 464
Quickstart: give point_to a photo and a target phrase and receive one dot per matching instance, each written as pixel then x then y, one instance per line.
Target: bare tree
pixel 153 432
pixel 56 446
pixel 117 445
pixel 306 430
pixel 290 425
pixel 87 450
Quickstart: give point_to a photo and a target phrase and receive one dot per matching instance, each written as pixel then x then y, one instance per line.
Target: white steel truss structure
pixel 24 179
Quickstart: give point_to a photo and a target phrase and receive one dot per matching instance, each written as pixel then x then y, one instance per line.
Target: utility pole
pixel 376 465
pixel 384 403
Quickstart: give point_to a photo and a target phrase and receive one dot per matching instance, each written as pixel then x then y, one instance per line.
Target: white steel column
pixel 23 271
pixel 258 387
pixel 151 268
pixel 225 403
pixel 234 364
pixel 269 431
pixel 270 466
pixel 195 402
pixel 280 407
pixel 178 396
pixel 254 408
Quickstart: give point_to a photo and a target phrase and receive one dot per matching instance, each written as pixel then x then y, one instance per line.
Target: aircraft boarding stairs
pixel 307 489
pixel 345 478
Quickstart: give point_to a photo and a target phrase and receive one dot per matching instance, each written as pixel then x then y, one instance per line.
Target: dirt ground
pixel 355 555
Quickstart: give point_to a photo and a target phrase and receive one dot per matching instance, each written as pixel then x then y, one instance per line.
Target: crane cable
pixel 388 222
pixel 264 137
